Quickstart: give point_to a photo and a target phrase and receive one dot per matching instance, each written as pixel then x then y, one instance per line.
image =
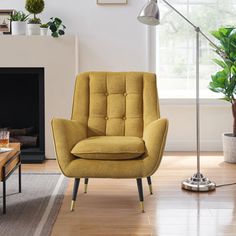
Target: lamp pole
pixel 197 103
pixel 150 15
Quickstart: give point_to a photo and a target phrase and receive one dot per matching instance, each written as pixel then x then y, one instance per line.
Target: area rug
pixel 34 211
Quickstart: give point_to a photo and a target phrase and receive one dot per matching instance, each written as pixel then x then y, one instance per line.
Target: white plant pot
pixel 18 27
pixel 43 31
pixel 229 147
pixel 33 29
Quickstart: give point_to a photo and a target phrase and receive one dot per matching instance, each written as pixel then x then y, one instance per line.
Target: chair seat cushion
pixel 109 148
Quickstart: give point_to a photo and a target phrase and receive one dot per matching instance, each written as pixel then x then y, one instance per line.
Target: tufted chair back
pixel 115 103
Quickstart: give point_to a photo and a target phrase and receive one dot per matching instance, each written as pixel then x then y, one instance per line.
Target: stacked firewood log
pixel 25 136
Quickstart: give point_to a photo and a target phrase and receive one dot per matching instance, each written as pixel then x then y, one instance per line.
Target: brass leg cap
pixel 142 207
pixel 72 206
pixel 150 189
pixel 85 188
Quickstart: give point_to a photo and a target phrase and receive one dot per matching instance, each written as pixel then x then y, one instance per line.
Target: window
pixel 175 40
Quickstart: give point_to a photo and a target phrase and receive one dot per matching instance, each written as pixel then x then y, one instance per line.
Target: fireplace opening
pixel 22 110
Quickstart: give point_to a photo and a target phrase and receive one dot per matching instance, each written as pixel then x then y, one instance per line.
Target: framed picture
pixel 5 23
pixel 113 2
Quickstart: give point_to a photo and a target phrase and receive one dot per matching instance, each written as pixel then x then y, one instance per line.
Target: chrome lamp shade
pixel 150 14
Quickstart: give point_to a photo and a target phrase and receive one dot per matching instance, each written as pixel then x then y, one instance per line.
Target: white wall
pixel 110 36
pixel 112 39
pixel 215 119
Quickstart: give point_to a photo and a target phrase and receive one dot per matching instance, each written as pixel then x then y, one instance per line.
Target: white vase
pixel 33 29
pixel 43 31
pixel 18 27
pixel 229 147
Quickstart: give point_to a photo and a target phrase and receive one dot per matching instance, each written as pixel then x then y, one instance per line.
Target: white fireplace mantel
pixel 59 57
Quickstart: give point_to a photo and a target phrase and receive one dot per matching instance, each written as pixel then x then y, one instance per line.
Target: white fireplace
pixel 59 58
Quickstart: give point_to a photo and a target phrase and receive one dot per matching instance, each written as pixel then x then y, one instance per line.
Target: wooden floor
pixel 111 207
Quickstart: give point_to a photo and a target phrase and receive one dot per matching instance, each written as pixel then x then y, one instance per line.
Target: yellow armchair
pixel 115 130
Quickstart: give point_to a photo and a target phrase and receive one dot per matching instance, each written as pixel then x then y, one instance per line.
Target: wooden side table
pixel 9 162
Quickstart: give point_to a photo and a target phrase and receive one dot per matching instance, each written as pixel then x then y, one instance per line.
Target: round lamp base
pixel 198 183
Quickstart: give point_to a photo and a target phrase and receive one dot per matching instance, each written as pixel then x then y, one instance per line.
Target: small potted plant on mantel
pixel 34 7
pixel 224 81
pixel 56 26
pixel 18 23
pixel 43 29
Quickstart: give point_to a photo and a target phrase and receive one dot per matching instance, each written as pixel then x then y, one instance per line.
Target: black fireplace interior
pixel 22 110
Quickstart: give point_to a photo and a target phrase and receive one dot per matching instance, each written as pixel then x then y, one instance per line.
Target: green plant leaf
pixel 61 32
pixel 216 34
pixel 57 20
pixel 212 87
pixel 53 28
pixel 233 70
pixel 229 62
pixel 219 82
pixel 232 55
pixel 220 63
pixel 55 34
pixel 45 26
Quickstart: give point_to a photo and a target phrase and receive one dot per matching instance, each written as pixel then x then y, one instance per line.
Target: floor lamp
pixel 150 15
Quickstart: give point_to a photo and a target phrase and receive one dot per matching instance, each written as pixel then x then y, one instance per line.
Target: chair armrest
pixel 66 134
pixel 155 138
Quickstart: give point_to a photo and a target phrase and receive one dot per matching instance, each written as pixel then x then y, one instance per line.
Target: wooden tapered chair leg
pixel 75 190
pixel 149 180
pixel 140 191
pixel 86 185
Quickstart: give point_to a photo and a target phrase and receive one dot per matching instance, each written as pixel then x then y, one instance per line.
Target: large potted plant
pixel 224 81
pixel 34 7
pixel 18 22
